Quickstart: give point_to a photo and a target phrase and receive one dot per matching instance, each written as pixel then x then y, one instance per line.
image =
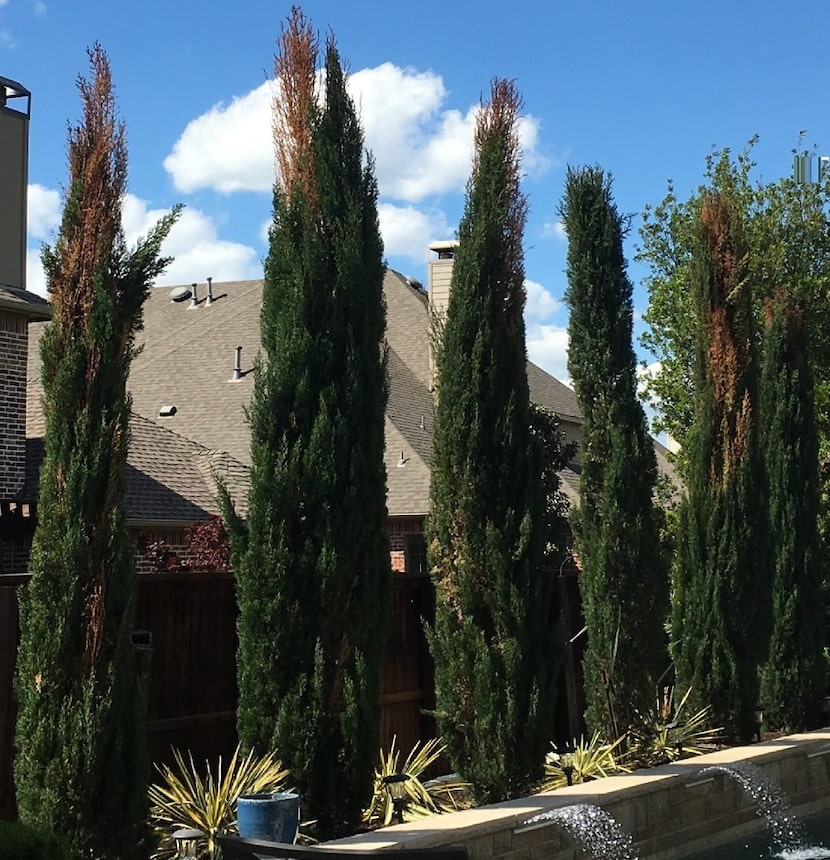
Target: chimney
pixel 194 300
pixel 209 299
pixel 17 307
pixel 15 106
pixel 439 275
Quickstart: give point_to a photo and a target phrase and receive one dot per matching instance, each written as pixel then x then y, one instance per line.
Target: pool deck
pixel 669 811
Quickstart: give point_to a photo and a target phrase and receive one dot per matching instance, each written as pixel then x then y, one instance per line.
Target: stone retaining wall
pixel 670 811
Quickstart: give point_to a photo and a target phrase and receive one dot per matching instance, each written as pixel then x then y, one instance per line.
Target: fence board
pixel 192 697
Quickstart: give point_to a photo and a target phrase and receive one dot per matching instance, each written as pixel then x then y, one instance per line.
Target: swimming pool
pixel 759 845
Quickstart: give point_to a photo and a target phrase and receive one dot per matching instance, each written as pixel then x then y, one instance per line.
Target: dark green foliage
pixel 494 644
pixel 720 609
pixel 786 226
pixel 19 841
pixel 312 562
pixel 793 677
pixel 624 577
pixel 80 767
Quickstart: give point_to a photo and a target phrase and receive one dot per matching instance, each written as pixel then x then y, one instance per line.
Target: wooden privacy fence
pixel 191 622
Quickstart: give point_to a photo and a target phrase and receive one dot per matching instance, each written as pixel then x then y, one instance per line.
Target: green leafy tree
pixel 793 676
pixel 493 641
pixel 312 562
pixel 786 228
pixel 80 768
pixel 721 587
pixel 624 577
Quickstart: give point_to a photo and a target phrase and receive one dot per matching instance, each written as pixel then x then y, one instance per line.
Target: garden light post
pixel 759 721
pixel 396 786
pixel 566 762
pixel 187 843
pixel 678 744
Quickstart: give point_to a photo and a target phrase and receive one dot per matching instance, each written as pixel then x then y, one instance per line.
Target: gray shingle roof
pixel 187 361
pixel 24 303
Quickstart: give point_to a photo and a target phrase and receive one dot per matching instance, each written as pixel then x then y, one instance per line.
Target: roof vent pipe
pixel 209 299
pixel 194 301
pixel 237 365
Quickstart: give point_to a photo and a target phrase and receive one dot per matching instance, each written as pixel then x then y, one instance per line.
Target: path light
pixel 759 721
pixel 396 786
pixel 678 744
pixel 566 762
pixel 187 843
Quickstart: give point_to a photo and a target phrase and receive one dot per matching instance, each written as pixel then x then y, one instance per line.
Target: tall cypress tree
pixel 312 565
pixel 492 641
pixel 793 676
pixel 721 586
pixel 624 576
pixel 80 767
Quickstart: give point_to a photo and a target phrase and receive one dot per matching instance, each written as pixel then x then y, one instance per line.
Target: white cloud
pixel 540 303
pixel 421 148
pixel 43 211
pixel 3 2
pixel 193 242
pixel 407 231
pixel 554 230
pixel 7 40
pixel 35 277
pixel 547 346
pixel 39 8
pixel 229 148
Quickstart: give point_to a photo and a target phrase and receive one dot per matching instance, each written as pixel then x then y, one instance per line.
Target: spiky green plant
pixel 187 799
pixel 667 734
pixel 423 798
pixel 591 759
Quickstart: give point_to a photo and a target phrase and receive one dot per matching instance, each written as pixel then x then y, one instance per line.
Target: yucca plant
pixel 666 734
pixel 423 798
pixel 589 760
pixel 187 799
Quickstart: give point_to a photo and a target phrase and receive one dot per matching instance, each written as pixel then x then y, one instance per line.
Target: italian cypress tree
pixel 80 766
pixel 721 585
pixel 312 563
pixel 624 575
pixel 793 676
pixel 493 642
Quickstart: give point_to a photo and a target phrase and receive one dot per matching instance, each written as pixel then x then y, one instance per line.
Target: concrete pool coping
pixel 666 810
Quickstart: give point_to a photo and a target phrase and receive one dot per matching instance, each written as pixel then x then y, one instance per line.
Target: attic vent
pixel 167 411
pixel 180 294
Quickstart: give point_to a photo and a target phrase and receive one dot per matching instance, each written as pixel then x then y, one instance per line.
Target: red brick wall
pixel 13 346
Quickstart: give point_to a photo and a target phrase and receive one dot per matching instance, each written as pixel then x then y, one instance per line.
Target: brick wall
pixel 13 346
pixel 405 542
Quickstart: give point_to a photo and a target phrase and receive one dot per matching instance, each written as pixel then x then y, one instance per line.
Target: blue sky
pixel 644 89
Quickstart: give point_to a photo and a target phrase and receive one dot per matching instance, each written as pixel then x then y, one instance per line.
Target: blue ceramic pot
pixel 272 817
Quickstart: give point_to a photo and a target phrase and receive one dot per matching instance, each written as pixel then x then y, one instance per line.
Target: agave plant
pixel 667 734
pixel 186 799
pixel 588 760
pixel 422 798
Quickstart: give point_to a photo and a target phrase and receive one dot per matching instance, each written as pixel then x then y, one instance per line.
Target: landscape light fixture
pixel 396 786
pixel 187 843
pixel 566 762
pixel 759 721
pixel 678 744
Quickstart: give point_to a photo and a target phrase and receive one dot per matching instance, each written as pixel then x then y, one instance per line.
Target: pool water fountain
pixel 788 832
pixel 594 830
